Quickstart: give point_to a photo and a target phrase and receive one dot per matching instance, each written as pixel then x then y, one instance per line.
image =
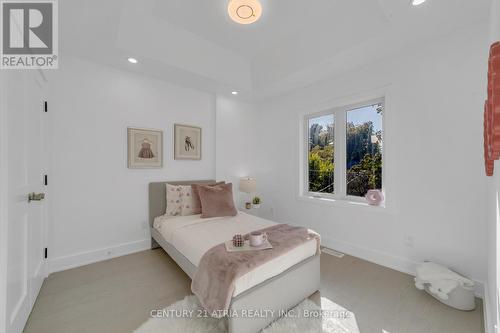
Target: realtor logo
pixel 29 34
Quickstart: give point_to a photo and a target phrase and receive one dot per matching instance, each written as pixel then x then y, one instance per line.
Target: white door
pixel 26 156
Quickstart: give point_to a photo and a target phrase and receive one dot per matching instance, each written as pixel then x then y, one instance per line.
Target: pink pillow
pixel 217 201
pixel 195 196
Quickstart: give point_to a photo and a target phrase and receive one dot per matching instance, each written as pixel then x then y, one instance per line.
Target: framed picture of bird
pixel 187 142
pixel 145 148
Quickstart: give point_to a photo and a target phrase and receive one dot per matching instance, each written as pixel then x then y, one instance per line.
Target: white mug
pixel 257 238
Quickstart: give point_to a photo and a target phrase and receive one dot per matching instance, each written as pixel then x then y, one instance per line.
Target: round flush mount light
pixel 244 11
pixel 417 2
pixel 234 92
pixel 132 60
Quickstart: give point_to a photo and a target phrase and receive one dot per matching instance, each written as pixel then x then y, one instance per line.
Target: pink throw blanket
pixel 214 281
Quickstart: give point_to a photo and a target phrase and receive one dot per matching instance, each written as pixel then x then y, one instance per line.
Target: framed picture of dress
pixel 187 142
pixel 145 148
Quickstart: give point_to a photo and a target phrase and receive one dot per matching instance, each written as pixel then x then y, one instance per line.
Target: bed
pixel 277 285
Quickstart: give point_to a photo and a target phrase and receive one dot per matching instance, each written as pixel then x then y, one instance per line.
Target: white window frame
pixel 340 144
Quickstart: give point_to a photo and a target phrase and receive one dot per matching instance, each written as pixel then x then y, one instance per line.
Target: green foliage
pixel 320 172
pixel 325 153
pixel 359 142
pixel 365 176
pixel 321 158
pixel 256 201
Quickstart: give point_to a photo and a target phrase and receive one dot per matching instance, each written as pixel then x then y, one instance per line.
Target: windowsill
pixel 343 203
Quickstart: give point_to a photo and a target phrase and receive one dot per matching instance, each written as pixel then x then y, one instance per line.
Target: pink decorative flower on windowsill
pixel 374 197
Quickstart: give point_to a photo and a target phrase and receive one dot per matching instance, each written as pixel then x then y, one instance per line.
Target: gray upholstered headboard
pixel 157 196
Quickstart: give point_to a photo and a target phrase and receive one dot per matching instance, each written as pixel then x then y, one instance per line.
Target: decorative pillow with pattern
pixel 174 201
pixel 188 204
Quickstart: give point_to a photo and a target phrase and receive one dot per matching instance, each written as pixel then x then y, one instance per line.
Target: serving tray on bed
pixel 247 247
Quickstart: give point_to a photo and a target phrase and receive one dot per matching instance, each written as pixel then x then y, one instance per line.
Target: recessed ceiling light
pixel 132 60
pixel 417 2
pixel 234 93
pixel 244 11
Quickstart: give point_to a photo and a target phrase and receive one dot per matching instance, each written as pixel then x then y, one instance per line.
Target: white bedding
pixel 193 236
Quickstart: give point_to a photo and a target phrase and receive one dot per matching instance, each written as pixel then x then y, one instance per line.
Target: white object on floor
pixel 193 236
pixel 445 285
pixel 304 318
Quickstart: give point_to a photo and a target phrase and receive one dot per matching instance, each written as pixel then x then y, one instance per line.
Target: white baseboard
pixel 384 259
pixel 89 257
pixel 487 311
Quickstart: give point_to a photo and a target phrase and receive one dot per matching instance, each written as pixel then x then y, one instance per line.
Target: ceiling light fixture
pixel 417 2
pixel 234 93
pixel 132 60
pixel 244 11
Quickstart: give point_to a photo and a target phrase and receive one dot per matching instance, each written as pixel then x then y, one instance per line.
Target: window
pixel 345 151
pixel 364 149
pixel 321 154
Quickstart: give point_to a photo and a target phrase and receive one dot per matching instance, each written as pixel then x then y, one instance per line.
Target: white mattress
pixel 193 236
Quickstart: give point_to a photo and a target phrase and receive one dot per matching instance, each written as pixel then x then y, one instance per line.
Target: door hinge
pixel 45 106
pixel 45 253
pixel 46 180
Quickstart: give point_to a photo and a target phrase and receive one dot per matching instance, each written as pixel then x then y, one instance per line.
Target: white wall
pixel 236 141
pixel 4 177
pixel 495 21
pixel 491 286
pixel 491 294
pixel 436 187
pixel 98 205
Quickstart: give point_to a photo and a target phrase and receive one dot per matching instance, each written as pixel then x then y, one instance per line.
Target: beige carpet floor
pixel 116 296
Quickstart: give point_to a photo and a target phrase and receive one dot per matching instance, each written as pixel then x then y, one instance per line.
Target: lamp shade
pixel 248 185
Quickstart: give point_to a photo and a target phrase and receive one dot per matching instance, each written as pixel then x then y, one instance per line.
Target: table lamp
pixel 248 185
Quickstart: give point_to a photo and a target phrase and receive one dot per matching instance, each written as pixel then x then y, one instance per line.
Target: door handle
pixel 36 196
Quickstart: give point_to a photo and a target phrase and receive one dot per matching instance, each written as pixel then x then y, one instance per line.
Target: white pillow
pixel 174 202
pixel 187 202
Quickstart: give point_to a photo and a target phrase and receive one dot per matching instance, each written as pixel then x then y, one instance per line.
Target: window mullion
pixel 365 122
pixel 340 154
